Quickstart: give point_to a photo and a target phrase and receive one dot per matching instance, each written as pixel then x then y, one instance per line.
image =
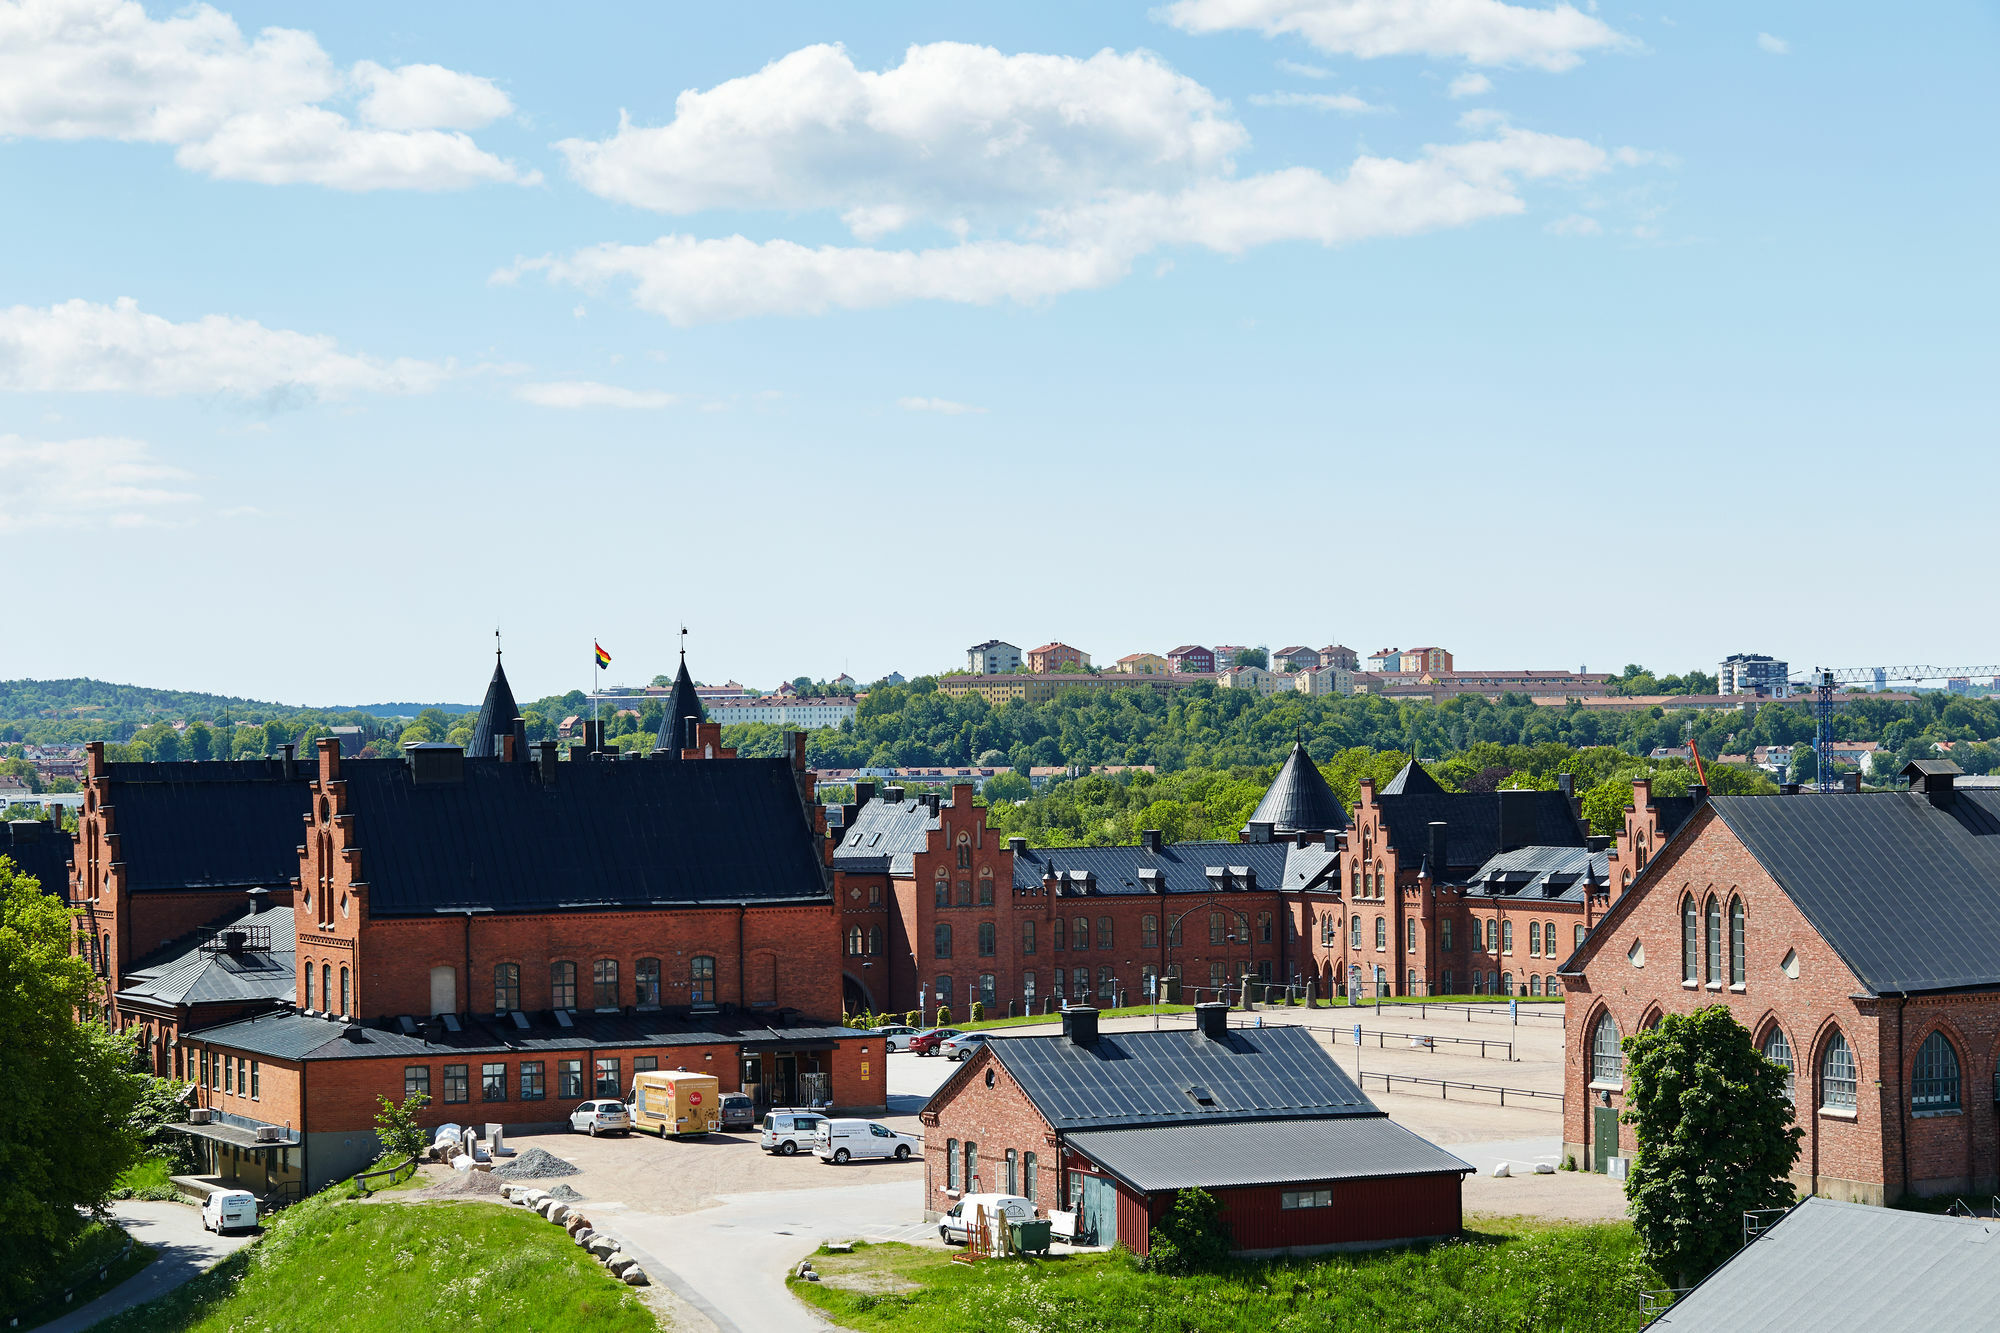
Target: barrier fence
pixel 1417 1040
pixel 1445 1086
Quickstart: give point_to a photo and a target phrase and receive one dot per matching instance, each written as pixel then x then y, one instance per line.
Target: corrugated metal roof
pixel 1183 866
pixel 1906 892
pixel 190 824
pixel 885 836
pixel 1540 874
pixel 1848 1268
pixel 1145 1078
pixel 1263 1152
pixel 187 973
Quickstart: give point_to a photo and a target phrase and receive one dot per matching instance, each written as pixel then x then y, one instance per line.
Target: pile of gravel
pixel 565 1193
pixel 535 1164
pixel 461 1184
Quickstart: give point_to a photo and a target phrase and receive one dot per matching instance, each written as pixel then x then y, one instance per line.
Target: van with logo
pixel 674 1103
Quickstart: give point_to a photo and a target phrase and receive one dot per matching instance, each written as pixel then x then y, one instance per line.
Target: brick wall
pixel 995 1118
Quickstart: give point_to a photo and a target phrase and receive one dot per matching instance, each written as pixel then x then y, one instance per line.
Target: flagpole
pixel 596 683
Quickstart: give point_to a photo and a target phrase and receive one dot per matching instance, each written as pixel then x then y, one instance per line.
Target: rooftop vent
pixel 435 764
pixel 1017 845
pixel 1201 1096
pixel 1080 1024
pixel 1260 830
pixel 893 795
pixel 407 1024
pixel 351 1031
pixel 1150 839
pixel 1212 1021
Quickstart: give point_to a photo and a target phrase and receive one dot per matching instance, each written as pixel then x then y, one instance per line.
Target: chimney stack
pixel 1439 849
pixel 520 740
pixel 1259 831
pixel 1150 839
pixel 1212 1020
pixel 1017 844
pixel 545 763
pixel 1080 1024
pixel 289 760
pixel 1517 819
pixel 1566 783
pixel 1851 783
pixel 864 792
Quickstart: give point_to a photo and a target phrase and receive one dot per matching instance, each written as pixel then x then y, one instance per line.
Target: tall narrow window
pixel 1011 1176
pixel 1215 927
pixel 1381 933
pixel 1264 927
pixel 987 993
pixel 604 984
pixel 1028 936
pixel 1149 932
pixel 1057 934
pixel 1936 1086
pixel 1354 933
pixel 1779 1052
pixel 1714 922
pixel 986 940
pixel 1579 936
pixel 701 979
pixel 346 1003
pixel 1028 1174
pixel 562 985
pixel 1444 934
pixel 857 940
pixel 326 986
pixel 986 886
pixel 943 887
pixel 1104 932
pixel 1492 935
pixel 971 1165
pixel 875 949
pixel 1079 933
pixel 951 1164
pixel 309 984
pixel 506 987
pixel 1689 943
pixel 1839 1077
pixel 1506 937
pixel 1410 935
pixel 941 940
pixel 1534 939
pixel 1607 1061
pixel 1736 967
pixel 646 988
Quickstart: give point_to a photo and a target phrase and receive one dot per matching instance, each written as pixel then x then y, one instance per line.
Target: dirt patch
pixel 462 1185
pixel 874 1282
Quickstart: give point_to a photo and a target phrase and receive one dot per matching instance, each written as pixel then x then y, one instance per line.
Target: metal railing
pixel 1336 1036
pixel 391 1171
pixel 1445 1086
pixel 1652 1303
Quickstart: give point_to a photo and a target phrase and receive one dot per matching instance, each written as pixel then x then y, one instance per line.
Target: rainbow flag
pixel 603 658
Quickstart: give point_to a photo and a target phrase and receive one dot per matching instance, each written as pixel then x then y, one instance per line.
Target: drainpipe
pixel 741 1000
pixel 468 962
pixel 1902 1122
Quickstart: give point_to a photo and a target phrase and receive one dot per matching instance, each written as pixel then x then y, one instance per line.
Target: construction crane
pixel 1823 681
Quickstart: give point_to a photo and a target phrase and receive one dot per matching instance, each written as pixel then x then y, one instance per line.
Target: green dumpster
pixel 1031 1237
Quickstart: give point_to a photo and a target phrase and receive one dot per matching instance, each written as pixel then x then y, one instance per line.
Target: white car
pixel 955 1227
pixel 964 1046
pixel 226 1210
pixel 841 1141
pixel 788 1129
pixel 606 1115
pixel 895 1037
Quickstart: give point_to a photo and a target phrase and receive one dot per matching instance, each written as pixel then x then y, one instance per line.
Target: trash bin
pixel 1031 1237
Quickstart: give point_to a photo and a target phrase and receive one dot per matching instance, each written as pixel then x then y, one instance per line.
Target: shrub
pixel 944 1015
pixel 978 1011
pixel 1192 1238
pixel 914 1019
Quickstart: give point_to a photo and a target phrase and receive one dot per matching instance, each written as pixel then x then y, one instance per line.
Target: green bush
pixel 914 1019
pixel 944 1015
pixel 1192 1237
pixel 978 1010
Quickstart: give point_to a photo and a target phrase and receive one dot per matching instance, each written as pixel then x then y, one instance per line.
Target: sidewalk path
pixel 174 1230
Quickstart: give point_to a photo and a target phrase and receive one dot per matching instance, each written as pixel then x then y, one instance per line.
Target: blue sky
pixel 330 337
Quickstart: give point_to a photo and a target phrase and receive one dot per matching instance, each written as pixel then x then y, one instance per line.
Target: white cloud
pixel 101 481
pixel 1776 46
pixel 955 130
pixel 428 97
pixel 941 405
pixel 85 347
pixel 1345 102
pixel 1485 32
pixel 1576 224
pixel 1471 85
pixel 1304 71
pixel 589 393
pixel 237 108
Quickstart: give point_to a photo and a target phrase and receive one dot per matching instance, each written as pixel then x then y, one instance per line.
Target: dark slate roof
pixel 1907 893
pixel 41 851
pixel 1540 874
pixel 1474 819
pixel 605 833
pixel 290 1035
pixel 187 973
pixel 1263 1152
pixel 208 823
pixel 1412 780
pixel 1848 1268
pixel 1183 867
pixel 1673 811
pixel 1143 1078
pixel 683 706
pixel 885 836
pixel 1299 798
pixel 496 716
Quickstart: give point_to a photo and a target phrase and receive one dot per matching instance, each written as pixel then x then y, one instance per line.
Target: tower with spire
pixel 1299 799
pixel 496 713
pixel 684 710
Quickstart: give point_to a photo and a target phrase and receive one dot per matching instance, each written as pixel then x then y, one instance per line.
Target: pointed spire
pixel 683 706
pixel 496 713
pixel 1412 780
pixel 1299 799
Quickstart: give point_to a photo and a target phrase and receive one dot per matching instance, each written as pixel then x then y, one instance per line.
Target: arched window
pixel 309 986
pixel 855 941
pixel 1936 1086
pixel 346 1005
pixel 701 979
pixel 1553 986
pixel 1445 984
pixel 1381 933
pixel 562 985
pixel 1056 931
pixel 1534 939
pixel 1639 850
pixel 943 888
pixel 1779 1052
pixel 1506 983
pixel 1079 933
pixel 1839 1077
pixel 506 987
pixel 988 943
pixel 1410 933
pixel 1534 983
pixel 1579 936
pixel 1549 940
pixel 326 986
pixel 1354 933
pixel 1689 944
pixel 1149 932
pixel 1492 935
pixel 964 851
pixel 646 983
pixel 1478 982
pixel 604 983
pixel 951 1164
pixel 875 941
pixel 1506 937
pixel 1411 983
pixel 1736 968
pixel 1104 932
pixel 1215 927
pixel 1607 1061
pixel 986 989
pixel 1714 915
pixel 941 941
pixel 986 886
pixel 944 990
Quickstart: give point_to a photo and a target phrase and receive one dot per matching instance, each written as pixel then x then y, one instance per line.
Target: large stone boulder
pixel 602 1246
pixel 634 1276
pixel 583 1236
pixel 558 1212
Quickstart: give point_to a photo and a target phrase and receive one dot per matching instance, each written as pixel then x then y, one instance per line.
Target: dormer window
pixel 1200 1096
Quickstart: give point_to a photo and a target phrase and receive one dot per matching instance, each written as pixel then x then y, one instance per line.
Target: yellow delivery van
pixel 671 1101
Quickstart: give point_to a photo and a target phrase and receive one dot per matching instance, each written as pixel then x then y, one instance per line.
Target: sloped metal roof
pixel 186 972
pixel 1183 866
pixel 1299 798
pixel 885 837
pixel 1414 800
pixel 496 716
pixel 209 824
pixel 41 851
pixel 1147 1078
pixel 1540 874
pixel 1848 1268
pixel 1263 1152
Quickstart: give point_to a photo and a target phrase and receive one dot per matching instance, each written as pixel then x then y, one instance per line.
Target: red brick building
pixel 1855 936
pixel 1113 1125
pixel 1052 657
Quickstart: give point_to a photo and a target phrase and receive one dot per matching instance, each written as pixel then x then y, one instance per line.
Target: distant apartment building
pixel 1339 655
pixel 1441 685
pixel 1753 673
pixel 1295 657
pixel 1325 680
pixel 1040 687
pixel 794 711
pixel 1055 656
pixel 1421 660
pixel 1143 664
pixel 1388 659
pixel 1225 655
pixel 1263 682
pixel 992 658
pixel 1192 659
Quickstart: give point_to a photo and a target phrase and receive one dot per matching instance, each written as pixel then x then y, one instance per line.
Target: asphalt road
pixel 173 1229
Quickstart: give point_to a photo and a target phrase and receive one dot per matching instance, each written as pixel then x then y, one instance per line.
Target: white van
pixel 840 1141
pixel 226 1210
pixel 955 1227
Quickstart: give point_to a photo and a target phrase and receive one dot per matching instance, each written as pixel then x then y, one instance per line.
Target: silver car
pixel 604 1116
pixel 965 1044
pixel 895 1036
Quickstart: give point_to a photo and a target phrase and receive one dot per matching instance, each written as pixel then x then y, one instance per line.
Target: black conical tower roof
pixel 1412 780
pixel 1300 800
pixel 496 716
pixel 683 705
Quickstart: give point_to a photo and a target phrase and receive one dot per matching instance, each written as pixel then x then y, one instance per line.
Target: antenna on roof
pixel 684 645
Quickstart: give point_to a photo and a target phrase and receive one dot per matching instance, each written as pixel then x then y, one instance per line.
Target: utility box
pixel 675 1103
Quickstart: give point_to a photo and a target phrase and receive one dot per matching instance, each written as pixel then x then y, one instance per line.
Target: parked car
pixel 839 1141
pixel 788 1129
pixel 928 1041
pixel 895 1037
pixel 738 1111
pixel 963 1045
pixel 606 1115
pixel 955 1227
pixel 229 1210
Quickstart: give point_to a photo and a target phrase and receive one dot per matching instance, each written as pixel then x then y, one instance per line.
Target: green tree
pixel 22 769
pixel 1192 1238
pixel 1006 787
pixel 67 1092
pixel 199 741
pixel 1716 1139
pixel 396 1127
pixel 1256 657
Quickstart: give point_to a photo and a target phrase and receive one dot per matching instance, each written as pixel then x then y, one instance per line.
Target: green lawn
pixel 96 1251
pixel 1028 1020
pixel 146 1179
pixel 1512 1275
pixel 393 1268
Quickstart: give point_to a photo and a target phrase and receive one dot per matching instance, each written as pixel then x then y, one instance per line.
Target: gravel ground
pixel 565 1193
pixel 535 1164
pixel 461 1185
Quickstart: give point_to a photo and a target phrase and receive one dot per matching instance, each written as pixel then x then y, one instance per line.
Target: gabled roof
pixel 1906 892
pixel 1414 801
pixel 209 824
pixel 603 833
pixel 1148 1078
pixel 1413 779
pixel 1187 648
pixel 683 706
pixel 186 972
pixel 1299 798
pixel 1152 1158
pixel 1848 1268
pixel 496 716
pixel 41 851
pixel 1181 867
pixel 1541 874
pixel 885 837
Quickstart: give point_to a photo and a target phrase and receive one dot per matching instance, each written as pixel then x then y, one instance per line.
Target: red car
pixel 928 1041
